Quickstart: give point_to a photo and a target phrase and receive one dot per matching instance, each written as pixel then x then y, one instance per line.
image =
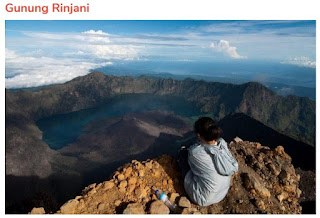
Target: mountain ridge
pixel 217 98
pixel 24 108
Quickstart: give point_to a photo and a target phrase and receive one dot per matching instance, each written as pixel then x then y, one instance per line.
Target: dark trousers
pixel 182 160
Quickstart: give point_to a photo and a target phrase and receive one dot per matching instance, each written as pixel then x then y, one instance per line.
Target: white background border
pixel 158 10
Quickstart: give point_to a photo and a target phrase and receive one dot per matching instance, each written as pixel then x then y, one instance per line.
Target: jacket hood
pixel 223 160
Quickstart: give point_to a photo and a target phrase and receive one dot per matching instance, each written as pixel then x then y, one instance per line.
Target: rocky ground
pixel 266 183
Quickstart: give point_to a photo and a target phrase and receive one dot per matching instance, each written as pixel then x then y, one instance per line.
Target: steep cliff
pixel 266 182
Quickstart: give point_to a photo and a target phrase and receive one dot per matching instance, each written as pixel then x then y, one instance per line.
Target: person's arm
pixel 224 162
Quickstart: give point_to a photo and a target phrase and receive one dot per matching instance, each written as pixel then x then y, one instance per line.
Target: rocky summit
pixel 266 183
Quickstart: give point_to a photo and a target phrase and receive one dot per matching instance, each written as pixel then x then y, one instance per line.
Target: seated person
pixel 211 165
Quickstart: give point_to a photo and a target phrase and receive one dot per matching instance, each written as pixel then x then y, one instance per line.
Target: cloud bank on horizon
pixel 49 52
pixel 300 61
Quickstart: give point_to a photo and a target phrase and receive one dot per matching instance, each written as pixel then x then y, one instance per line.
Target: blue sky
pixel 47 52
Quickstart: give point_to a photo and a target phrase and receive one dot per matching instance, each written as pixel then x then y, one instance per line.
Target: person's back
pixel 211 163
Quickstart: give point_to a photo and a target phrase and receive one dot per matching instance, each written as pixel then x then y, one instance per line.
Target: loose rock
pixel 107 185
pixel 132 181
pixel 253 185
pixel 282 196
pixel 101 206
pixel 123 184
pixel 260 204
pixel 140 192
pixel 141 173
pixel 117 202
pixel 69 207
pixel 131 187
pixel 148 165
pixel 121 177
pixel 190 211
pixel 128 172
pixel 134 208
pixel 158 207
pixel 279 150
pixel 173 198
pixel 38 210
pixel 237 139
pixel 184 202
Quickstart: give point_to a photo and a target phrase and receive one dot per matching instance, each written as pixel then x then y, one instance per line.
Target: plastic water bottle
pixel 164 198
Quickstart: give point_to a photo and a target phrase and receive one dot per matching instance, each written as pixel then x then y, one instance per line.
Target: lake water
pixel 62 129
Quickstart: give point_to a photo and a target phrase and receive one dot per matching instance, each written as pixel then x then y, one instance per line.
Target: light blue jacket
pixel 211 166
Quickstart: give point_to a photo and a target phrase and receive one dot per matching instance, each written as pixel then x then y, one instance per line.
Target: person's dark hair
pixel 207 129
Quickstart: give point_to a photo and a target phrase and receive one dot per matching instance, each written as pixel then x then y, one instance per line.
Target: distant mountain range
pixel 279 86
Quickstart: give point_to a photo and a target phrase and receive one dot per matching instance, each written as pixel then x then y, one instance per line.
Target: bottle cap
pixel 157 191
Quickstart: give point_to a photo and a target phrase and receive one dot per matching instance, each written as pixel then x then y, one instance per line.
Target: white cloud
pixel 90 43
pixel 224 47
pixel 50 58
pixel 29 71
pixel 300 61
pixel 95 36
pixel 117 52
pixel 99 32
